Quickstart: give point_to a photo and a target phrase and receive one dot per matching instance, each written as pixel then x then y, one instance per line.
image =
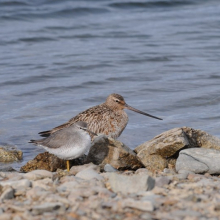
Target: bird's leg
pixel 68 165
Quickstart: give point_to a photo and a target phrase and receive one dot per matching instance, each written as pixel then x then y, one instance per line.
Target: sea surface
pixel 58 58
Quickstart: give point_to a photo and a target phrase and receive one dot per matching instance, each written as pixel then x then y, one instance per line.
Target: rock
pixel 37 193
pixel 163 150
pixel 198 138
pixel 129 184
pixel 75 169
pixel 186 172
pixel 50 162
pixel 47 207
pixel 146 216
pixel 24 183
pixel 11 175
pixel 199 160
pixel 183 174
pixel 169 171
pixel 17 218
pixel 106 150
pixel 140 205
pixel 45 183
pixel 68 186
pixel 44 161
pixel 68 179
pixel 109 168
pixel 142 171
pixel 182 213
pixel 6 168
pixel 154 153
pixel 5 216
pixel 38 174
pixel 161 181
pixel 10 154
pixel 88 174
pixel 194 177
pixel 8 193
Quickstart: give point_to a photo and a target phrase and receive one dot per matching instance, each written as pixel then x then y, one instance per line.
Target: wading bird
pixel 68 143
pixel 108 118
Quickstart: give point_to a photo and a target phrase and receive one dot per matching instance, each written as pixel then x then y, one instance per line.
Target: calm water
pixel 58 58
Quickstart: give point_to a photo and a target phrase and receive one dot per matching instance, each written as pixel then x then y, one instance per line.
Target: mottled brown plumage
pixel 108 118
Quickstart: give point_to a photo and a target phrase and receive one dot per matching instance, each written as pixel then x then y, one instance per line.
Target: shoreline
pixel 158 180
pixel 86 193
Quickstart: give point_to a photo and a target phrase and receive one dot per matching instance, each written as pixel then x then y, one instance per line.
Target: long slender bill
pixel 140 112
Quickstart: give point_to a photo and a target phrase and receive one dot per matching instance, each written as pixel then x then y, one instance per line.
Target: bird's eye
pixel 117 100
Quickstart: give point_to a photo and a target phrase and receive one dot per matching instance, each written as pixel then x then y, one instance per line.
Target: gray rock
pixel 38 174
pixel 6 168
pixel 161 181
pixel 89 174
pixel 11 175
pixel 24 183
pixel 169 171
pixel 130 184
pixel 199 160
pixel 76 169
pixel 106 150
pixel 184 213
pixel 5 216
pixel 47 207
pixel 152 198
pixel 51 198
pixel 181 176
pixel 146 216
pixel 187 172
pixel 142 171
pixel 109 168
pixel 43 183
pixel 67 186
pixel 36 193
pixel 8 193
pixel 17 218
pixel 140 205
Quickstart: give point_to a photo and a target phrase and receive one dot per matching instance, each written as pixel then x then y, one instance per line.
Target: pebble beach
pixel 86 193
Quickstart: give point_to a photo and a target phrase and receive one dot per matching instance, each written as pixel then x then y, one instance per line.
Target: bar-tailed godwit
pixel 108 118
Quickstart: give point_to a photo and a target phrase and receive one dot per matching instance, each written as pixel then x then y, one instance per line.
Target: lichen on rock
pixel 163 150
pixel 10 153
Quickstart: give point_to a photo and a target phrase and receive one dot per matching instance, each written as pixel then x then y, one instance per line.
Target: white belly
pixel 71 151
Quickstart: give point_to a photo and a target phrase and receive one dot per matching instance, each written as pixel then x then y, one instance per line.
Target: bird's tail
pixel 45 133
pixel 33 141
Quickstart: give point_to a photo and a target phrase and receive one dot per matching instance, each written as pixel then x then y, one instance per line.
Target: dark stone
pixel 50 162
pixel 106 150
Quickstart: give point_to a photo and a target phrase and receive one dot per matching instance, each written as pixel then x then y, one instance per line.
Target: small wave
pixel 129 79
pixel 150 59
pixel 149 4
pixel 13 3
pixel 69 12
pixel 36 39
pixel 80 11
pixel 49 90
